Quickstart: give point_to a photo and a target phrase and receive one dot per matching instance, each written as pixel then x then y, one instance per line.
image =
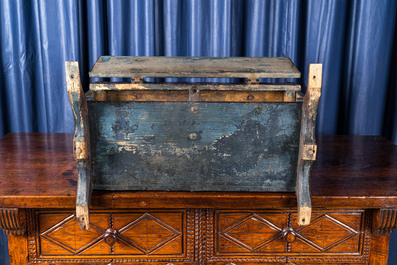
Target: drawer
pixel 269 236
pixel 115 236
pixel 199 236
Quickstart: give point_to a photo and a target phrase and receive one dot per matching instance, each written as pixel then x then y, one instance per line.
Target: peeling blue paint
pixel 222 146
pixel 105 58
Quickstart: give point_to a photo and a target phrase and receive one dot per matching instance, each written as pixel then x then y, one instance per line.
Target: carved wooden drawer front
pixel 199 236
pixel 113 237
pixel 275 237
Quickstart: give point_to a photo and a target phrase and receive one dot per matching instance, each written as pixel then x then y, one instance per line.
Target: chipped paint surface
pixel 180 66
pixel 220 147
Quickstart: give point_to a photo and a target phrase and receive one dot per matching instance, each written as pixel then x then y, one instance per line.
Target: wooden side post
pixel 81 143
pixel 307 144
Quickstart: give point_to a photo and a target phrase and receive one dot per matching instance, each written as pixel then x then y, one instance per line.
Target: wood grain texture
pixel 385 221
pixel 81 142
pixel 188 67
pixel 350 172
pixel 216 147
pixel 18 250
pixel 15 221
pixel 307 145
pixel 158 235
pixel 100 86
pixel 379 249
pixel 12 222
pixel 218 236
pixel 246 236
pixel 185 96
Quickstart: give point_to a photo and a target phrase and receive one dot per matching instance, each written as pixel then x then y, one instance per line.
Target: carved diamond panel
pixel 140 236
pixel 252 232
pixel 258 237
pixel 148 233
pixel 326 232
pixel 201 236
pixel 68 237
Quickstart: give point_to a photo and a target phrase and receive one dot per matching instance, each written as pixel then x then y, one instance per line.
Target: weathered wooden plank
pixel 187 86
pixel 242 96
pixel 81 143
pixel 188 67
pixel 195 146
pixel 307 144
pixel 289 96
pixel 200 95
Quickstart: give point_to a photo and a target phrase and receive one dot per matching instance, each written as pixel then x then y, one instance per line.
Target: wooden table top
pixel 37 170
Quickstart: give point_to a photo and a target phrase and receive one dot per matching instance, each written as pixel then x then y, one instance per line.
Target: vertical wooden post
pixel 307 144
pixel 81 143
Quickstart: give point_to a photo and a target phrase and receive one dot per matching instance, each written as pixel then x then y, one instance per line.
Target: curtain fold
pixel 353 39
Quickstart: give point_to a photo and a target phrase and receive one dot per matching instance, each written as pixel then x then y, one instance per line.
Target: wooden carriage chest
pixel 226 131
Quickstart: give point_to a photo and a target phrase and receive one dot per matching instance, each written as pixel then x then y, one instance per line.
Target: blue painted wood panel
pixel 194 146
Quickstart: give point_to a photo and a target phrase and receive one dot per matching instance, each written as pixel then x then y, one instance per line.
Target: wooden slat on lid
pixel 188 67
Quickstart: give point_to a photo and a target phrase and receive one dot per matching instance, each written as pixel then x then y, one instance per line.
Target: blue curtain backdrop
pixel 355 40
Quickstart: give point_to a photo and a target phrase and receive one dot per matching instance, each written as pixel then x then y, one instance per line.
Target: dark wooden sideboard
pixel 354 199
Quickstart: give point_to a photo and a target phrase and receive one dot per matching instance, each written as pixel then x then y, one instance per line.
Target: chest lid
pixel 179 68
pixel 191 67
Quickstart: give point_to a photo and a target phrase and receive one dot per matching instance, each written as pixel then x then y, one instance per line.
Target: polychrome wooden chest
pixel 194 124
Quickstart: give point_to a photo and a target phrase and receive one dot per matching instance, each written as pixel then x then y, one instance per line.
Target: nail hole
pixel 303 220
pixel 192 136
pixel 250 97
pixel 194 109
pixel 194 91
pixel 72 76
pixel 314 76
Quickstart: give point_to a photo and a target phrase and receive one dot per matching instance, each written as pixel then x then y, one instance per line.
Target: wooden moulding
pixel 251 68
pixel 12 221
pixel 99 86
pixel 198 95
pixel 384 221
pixel 81 143
pixel 203 92
pixel 307 145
